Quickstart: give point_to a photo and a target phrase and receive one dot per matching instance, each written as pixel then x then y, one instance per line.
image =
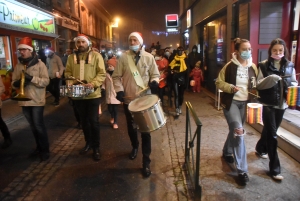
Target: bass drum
pixel 147 113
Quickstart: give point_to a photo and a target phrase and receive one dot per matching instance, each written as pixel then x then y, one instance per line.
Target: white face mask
pixel 157 58
pixel 134 47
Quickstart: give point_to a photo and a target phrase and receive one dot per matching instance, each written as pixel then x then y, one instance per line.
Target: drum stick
pixel 148 87
pixel 254 94
pixel 77 80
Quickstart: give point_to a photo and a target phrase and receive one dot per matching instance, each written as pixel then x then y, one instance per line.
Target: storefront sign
pixel 70 24
pixel 188 18
pixel 20 17
pixel 172 20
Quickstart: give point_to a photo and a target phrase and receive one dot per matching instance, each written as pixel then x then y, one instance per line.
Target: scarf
pixel 175 63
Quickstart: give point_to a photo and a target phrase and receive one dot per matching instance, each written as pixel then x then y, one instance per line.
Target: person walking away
pixel 234 80
pixel 163 65
pixel 87 66
pixel 178 70
pixel 197 76
pixel 36 80
pixel 64 62
pixel 193 57
pixel 55 71
pixel 110 93
pixel 136 69
pixel 275 75
pixel 3 127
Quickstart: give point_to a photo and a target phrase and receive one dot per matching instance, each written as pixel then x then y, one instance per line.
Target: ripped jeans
pixel 235 142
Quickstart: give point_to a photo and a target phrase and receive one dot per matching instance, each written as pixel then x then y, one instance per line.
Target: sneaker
pixel 278 177
pixel 180 111
pixel 115 126
pixel 112 120
pixel 262 155
pixel 228 159
pixel 243 178
pixel 177 111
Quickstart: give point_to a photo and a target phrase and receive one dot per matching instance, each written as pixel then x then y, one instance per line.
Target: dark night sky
pixel 150 12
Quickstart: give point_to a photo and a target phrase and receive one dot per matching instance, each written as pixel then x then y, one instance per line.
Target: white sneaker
pixel 278 177
pixel 262 155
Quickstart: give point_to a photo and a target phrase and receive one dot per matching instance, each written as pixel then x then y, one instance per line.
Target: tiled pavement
pixel 217 178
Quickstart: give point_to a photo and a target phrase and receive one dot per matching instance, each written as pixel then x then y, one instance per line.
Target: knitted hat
pixel 138 35
pixel 198 63
pixel 112 61
pixel 25 43
pixel 83 37
pixel 50 49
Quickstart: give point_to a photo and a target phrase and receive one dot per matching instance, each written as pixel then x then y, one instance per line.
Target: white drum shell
pixel 150 119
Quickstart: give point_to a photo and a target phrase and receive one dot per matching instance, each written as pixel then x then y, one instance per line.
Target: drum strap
pixel 135 73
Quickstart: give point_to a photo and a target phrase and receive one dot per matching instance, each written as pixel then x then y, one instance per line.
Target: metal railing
pixel 192 164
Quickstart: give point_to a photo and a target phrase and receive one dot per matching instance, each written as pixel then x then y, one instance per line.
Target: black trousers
pixel 178 94
pixel 268 141
pixel 132 132
pixel 3 127
pixel 89 117
pixel 113 110
pixel 53 88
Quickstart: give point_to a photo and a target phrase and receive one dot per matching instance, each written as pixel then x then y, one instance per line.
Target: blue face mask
pixel 134 47
pixel 245 55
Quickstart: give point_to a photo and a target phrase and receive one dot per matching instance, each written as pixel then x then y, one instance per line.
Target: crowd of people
pixel 160 71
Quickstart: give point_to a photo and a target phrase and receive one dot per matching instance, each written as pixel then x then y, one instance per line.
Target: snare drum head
pixel 142 103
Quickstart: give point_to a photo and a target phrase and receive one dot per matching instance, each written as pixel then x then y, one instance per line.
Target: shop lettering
pixel 71 22
pixel 12 16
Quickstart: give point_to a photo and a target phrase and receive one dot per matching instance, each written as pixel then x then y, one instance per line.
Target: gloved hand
pixel 17 83
pixel 103 92
pixel 28 77
pixel 120 96
pixel 153 86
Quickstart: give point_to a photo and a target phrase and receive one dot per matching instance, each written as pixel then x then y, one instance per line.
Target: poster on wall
pixel 293 52
pixel 2 52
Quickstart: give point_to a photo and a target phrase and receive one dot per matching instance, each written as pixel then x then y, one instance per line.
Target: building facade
pixel 212 25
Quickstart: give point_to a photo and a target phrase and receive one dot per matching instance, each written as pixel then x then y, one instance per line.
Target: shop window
pixel 270 22
pixel 297 15
pixel 5 65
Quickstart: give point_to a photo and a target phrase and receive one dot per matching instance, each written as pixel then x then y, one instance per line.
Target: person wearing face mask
pixel 135 71
pixel 235 81
pixel 163 65
pixel 110 93
pixel 275 75
pixel 36 80
pixel 178 76
pixel 55 71
pixel 88 67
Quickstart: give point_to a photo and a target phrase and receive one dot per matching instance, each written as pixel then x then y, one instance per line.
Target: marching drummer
pixel 87 67
pixel 136 70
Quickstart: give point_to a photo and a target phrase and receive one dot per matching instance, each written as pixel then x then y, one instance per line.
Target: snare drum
pixel 147 113
pixel 63 90
pixel 254 113
pixel 292 97
pixel 75 91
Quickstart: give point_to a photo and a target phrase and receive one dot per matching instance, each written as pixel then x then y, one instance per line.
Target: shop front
pixel 19 20
pixel 214 45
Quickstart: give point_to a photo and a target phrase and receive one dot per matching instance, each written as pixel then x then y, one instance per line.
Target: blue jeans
pixel 34 116
pixel 235 144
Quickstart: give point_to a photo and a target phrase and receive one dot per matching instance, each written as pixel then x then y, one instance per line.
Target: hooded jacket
pixel 54 64
pixel 35 90
pixel 227 80
pixel 193 57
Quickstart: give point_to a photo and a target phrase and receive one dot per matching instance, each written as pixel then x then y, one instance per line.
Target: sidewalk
pixel 69 176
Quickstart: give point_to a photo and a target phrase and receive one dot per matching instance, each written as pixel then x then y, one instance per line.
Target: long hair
pixel 280 42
